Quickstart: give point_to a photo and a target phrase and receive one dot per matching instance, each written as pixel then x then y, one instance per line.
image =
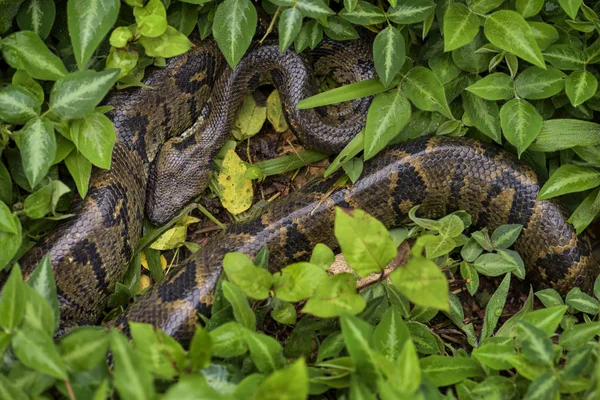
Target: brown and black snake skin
pixel 169 133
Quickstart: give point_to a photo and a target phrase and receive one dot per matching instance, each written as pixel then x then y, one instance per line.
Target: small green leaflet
pixel 521 123
pixel 388 114
pixel 38 146
pixel 390 54
pixel 233 28
pixel 290 23
pixel 569 178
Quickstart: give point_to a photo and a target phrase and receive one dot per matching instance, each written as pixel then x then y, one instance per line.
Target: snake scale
pixel 169 132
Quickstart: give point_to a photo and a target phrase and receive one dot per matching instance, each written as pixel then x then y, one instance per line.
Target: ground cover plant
pixel 453 321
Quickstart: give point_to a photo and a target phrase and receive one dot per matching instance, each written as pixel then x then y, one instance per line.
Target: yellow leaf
pixel 275 113
pixel 163 261
pixel 188 220
pixel 144 281
pixel 171 239
pixel 235 190
pixel 250 119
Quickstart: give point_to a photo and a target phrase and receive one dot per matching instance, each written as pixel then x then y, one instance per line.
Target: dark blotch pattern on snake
pixel 167 136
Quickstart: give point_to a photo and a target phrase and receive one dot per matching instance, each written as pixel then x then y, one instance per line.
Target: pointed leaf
pixel 521 123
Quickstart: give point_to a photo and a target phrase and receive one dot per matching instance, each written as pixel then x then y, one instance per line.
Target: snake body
pixel 169 133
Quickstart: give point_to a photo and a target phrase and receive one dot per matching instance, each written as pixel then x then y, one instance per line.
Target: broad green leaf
pixel 565 57
pixel 494 307
pixel 298 281
pixel 80 169
pixel 36 350
pixel 460 26
pixel 535 83
pixel 229 340
pixel 424 90
pixel 334 296
pixel 255 282
pixel 496 86
pixel 122 59
pixel 192 387
pixel 6 189
pixel 582 302
pixel 364 14
pixel 78 93
pixel 285 314
pixel 12 301
pixel 292 380
pixel 409 368
pixel 411 11
pixel 444 68
pixel 529 8
pixel 25 50
pixel 38 147
pixel 569 178
pixel 42 280
pixel 310 8
pixel 560 134
pixel 526 368
pixel 484 114
pixel 9 245
pixel 89 22
pixel 37 16
pixel 84 348
pixel 94 136
pixel 578 335
pixel 44 200
pixel 357 335
pixel 310 35
pixel 183 17
pixel 200 349
pixel 170 44
pixel 22 79
pixel 233 28
pixel 131 377
pixel 546 319
pixel 265 352
pixel 322 256
pixel 18 105
pixel 290 23
pixel 151 19
pixel 391 335
pixel 521 123
pixel 7 222
pixel 351 91
pixel 491 264
pixel 495 355
pixel 509 31
pixel 388 114
pixel 571 7
pixel 470 275
pixel 509 328
pixel 592 53
pixel 468 59
pixel 365 242
pixel 505 235
pixel 580 86
pixel 423 283
pixel 550 298
pixel 484 6
pixel 585 213
pixel 241 309
pixel 446 370
pixel 544 386
pixel 9 390
pixel 535 344
pixel 390 54
pixel 544 34
pixel 340 29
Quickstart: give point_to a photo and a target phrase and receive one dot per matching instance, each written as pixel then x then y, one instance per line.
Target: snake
pixel 169 131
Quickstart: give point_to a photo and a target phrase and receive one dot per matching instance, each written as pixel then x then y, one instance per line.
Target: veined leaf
pixel 132 378
pixel 571 7
pixel 364 14
pixel 529 8
pixel 411 11
pixel 348 92
pixel 569 178
pixel 424 90
pixel 460 26
pixel 535 83
pixel 445 370
pixel 89 21
pixel 38 146
pixel 151 19
pixel 560 134
pixel 94 136
pixel 80 169
pixel 586 211
pixel 37 16
pixel 290 23
pixel 544 34
pixel 496 86
pixel 484 114
pixel 25 50
pixel 233 28
pixel 580 86
pixel 36 350
pixel 388 114
pixel 390 54
pixel 18 105
pixel 521 123
pixel 565 57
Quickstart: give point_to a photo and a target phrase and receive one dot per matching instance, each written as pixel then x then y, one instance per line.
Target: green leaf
pixel 582 302
pixel 496 86
pixel 423 283
pixel 310 35
pixel 89 22
pixel 131 377
pixel 78 93
pixel 364 14
pixel 585 213
pixel 6 190
pixel 521 123
pixel 229 340
pixel 255 282
pixel 7 222
pixel 535 83
pixel 290 23
pixel 25 50
pixel 170 44
pixel 470 275
pixel 391 335
pixel 565 57
pixel 494 307
pixel 191 387
pixel 580 86
pixel 388 114
pixel 183 17
pixel 409 368
pixel 241 309
pixel 12 301
pixel 310 8
pixel 18 105
pixel 200 349
pixel 543 387
pixel 357 335
pixel 571 7
pixel 298 281
pixel 544 34
pixel 578 335
pixel 509 31
pixel 293 381
pixel 42 281
pixel 151 19
pixel 411 11
pixel 390 54
pixel 94 136
pixel 265 352
pixel 285 314
pixel 484 114
pixel 9 245
pixel 494 355
pixel 505 235
pixel 535 345
pixel 10 390
pixel 546 319
pixel 424 90
pixel 322 256
pixel 365 242
pixel 84 348
pixel 37 16
pixel 529 8
pixel 569 178
pixel 233 28
pixel 490 264
pixel 38 147
pixel 560 134
pixel 460 26
pixel 351 91
pixel 340 29
pixel 445 370
pixel 334 296
pixel 80 169
pixel 549 298
pixel 36 350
